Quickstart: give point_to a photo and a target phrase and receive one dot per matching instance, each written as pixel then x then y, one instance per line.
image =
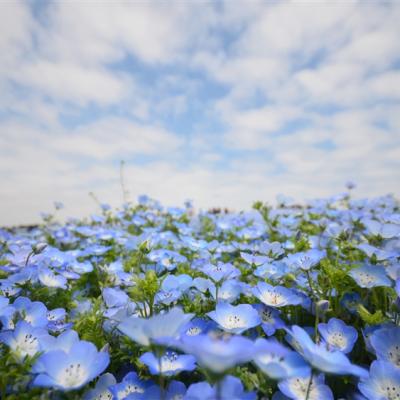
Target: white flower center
pixel 233 321
pixel 366 279
pixel 299 386
pixel 390 389
pixel 106 395
pixel 49 280
pixel 27 345
pixel 73 375
pixel 273 298
pixel 193 331
pixel 169 362
pixel 130 388
pixel 337 339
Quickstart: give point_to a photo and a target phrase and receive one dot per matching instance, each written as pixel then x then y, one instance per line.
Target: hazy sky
pixel 223 102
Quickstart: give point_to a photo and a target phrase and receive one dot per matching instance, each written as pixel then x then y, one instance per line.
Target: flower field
pixel 148 302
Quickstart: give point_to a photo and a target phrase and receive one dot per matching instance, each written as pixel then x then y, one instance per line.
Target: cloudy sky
pixel 222 102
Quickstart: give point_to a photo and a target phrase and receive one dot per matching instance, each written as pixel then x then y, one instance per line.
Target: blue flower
pixel 276 296
pixel 369 276
pixel 145 331
pixel 277 361
pixel 338 335
pixel 385 230
pixel 25 340
pixel 181 283
pixel 115 297
pixel 296 388
pixel 169 364
pixel 305 260
pixel 235 319
pixel 350 302
pixel 221 271
pixel 176 391
pixel 255 260
pixel 56 320
pixel 229 291
pixel 386 343
pixel 333 362
pixel 133 387
pixel 231 388
pixel 383 382
pixel 33 312
pixel 200 391
pixel 217 354
pixel 71 370
pixel 197 326
pixel 48 278
pixel 101 391
pixel 270 319
pixel 6 313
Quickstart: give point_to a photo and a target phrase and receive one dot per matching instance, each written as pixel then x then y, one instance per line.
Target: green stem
pixel 309 385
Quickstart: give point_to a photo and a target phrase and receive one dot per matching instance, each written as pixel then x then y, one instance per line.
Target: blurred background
pixel 222 102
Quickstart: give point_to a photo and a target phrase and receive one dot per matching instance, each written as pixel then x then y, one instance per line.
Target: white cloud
pixel 333 65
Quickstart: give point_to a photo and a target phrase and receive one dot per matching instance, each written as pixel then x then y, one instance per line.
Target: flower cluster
pixel 146 302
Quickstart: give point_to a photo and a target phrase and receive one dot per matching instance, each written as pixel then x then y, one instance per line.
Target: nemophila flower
pixel 305 260
pixel 322 359
pixel 306 387
pixel 385 230
pixel 8 288
pixel 203 284
pixel 371 251
pixel 167 297
pixel 169 364
pixel 275 296
pixel 270 319
pixel 217 353
pixel 229 291
pixel 175 391
pixel 350 301
pixel 34 312
pixel 133 387
pixel 25 340
pixel 145 331
pixel 48 278
pixel 166 258
pixel 338 335
pixel 386 343
pixel 274 270
pixel 84 267
pixel 383 382
pixel 71 370
pixel 231 388
pixel 65 342
pixel 181 283
pixel 101 391
pixel 235 319
pixel 197 326
pixel 56 320
pixel 277 361
pixel 369 276
pixel 220 271
pixel 6 313
pixel 255 259
pixel 369 330
pixel 115 297
pixel 273 249
pixel 200 391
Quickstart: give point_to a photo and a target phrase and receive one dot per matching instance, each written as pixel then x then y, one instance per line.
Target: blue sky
pixel 221 102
